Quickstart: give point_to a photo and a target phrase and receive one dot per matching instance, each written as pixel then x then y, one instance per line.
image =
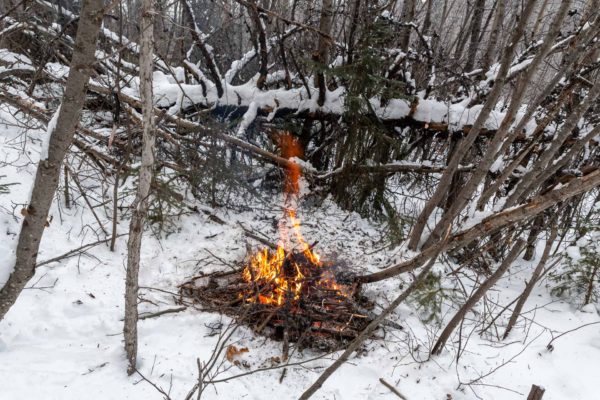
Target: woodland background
pixel 449 153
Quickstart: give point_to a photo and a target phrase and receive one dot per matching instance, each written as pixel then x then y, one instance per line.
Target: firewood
pixel 322 318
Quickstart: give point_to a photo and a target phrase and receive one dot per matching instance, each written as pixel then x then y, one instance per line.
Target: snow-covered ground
pixel 62 339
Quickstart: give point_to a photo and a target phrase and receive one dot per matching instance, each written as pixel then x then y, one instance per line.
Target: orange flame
pixel 290 148
pixel 278 276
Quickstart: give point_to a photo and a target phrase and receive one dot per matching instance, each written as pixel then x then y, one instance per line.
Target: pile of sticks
pixel 322 318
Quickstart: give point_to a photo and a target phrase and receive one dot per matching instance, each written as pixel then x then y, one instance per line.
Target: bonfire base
pixel 322 319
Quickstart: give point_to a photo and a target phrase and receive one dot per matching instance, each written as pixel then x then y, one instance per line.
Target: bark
pixel 140 206
pixel 427 20
pixel 535 276
pixel 48 171
pixel 492 224
pixel 475 33
pixel 500 136
pixel 445 181
pixel 590 289
pixel 353 29
pixel 575 55
pixel 575 149
pixel 538 21
pixel 488 56
pixel 408 15
pixel 536 393
pixel 532 179
pixel 208 58
pixel 367 332
pixel 519 159
pixel 478 295
pixel 323 49
pixel 262 46
pixel 536 228
pixel 460 41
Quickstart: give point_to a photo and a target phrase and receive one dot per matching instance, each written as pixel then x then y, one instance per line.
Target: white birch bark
pixel 145 179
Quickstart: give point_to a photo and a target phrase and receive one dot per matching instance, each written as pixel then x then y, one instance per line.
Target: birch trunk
pixel 146 171
pixel 48 171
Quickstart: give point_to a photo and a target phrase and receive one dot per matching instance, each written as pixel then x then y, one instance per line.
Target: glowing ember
pixel 282 276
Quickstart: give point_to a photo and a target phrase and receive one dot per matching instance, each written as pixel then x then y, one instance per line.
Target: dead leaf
pixel 233 351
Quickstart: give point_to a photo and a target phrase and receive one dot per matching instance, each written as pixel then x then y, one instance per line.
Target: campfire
pixel 285 277
pixel 287 291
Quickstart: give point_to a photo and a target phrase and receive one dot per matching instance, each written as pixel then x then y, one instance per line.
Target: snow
pixel 62 339
pixel 497 165
pixel 15 169
pixel 247 119
pixel 431 111
pixel 58 71
pixel 49 131
pixel 168 93
pixel 14 61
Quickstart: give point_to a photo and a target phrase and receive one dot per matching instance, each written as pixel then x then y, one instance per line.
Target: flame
pixel 290 148
pixel 269 270
pixel 277 276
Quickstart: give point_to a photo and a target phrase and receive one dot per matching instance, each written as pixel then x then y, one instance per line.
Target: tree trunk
pixel 208 57
pixel 140 206
pixel 475 31
pixel 322 53
pixel 532 282
pixel 531 179
pixel 538 21
pixel 536 228
pixel 590 289
pixel 446 179
pixel 427 20
pixel 488 56
pixel 479 293
pixel 468 189
pixel 48 171
pixel 492 224
pixel 536 393
pixel 368 330
pixel 408 15
pixel 261 39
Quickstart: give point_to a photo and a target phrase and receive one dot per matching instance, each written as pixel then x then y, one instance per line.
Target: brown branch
pixel 163 312
pixel 392 388
pixel 210 62
pixel 479 293
pixel 367 331
pixel 535 276
pixel 491 224
pixel 73 252
pixel 262 44
pixel 288 21
pixel 389 168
